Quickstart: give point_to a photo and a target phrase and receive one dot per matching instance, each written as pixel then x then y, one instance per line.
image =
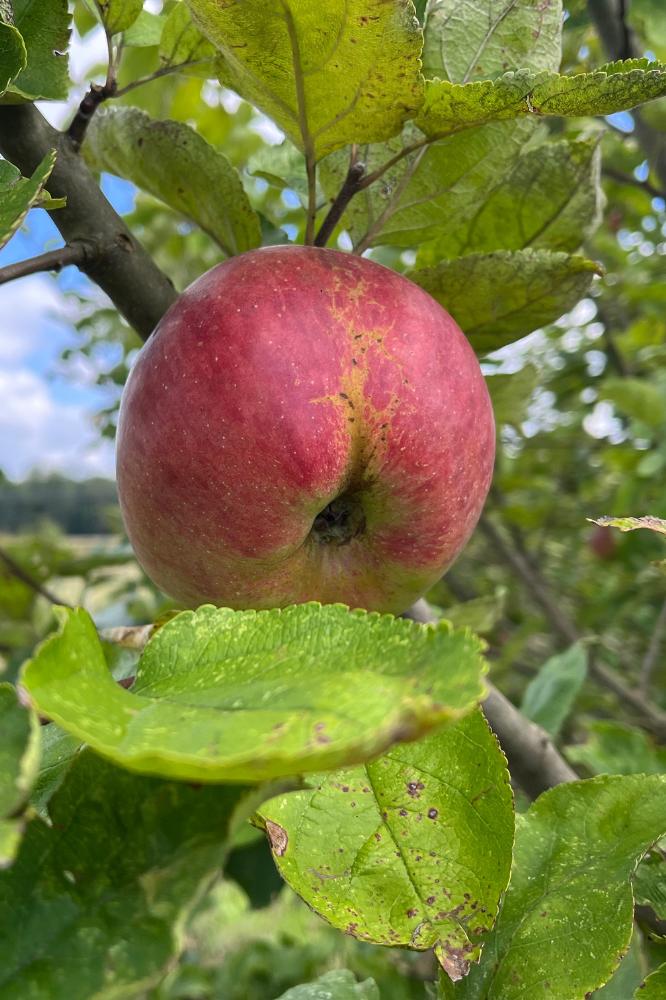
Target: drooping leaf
pixel 615 748
pixel 631 523
pixel 182 44
pixel 499 297
pixel 146 31
pixel 339 984
pixel 19 762
pixel 44 27
pixel 340 71
pixel 432 189
pixel 19 194
pixel 118 15
pixel 550 696
pixel 654 987
pixel 175 164
pixel 480 39
pixel 511 394
pixel 650 883
pixel 451 107
pixel 242 696
pixel 413 849
pixel 12 53
pixel 549 199
pixel 576 849
pixel 98 913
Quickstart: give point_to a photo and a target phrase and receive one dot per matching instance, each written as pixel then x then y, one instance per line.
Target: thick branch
pixel 137 287
pixel 609 20
pixel 534 761
pixel 54 260
pixel 563 626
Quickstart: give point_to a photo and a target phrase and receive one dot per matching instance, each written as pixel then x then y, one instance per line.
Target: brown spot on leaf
pixel 277 837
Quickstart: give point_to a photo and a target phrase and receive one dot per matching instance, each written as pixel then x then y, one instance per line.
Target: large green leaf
pixel 549 198
pixel 19 763
pixel 432 190
pixel 12 54
pixel 44 27
pixel 450 107
pixel 97 912
pixel 480 39
pixel 172 162
pixel 567 915
pixel 499 297
pixel 339 71
pixel 19 194
pixel 118 15
pixel 654 987
pixel 242 696
pixel 340 984
pixel 550 696
pixel 413 849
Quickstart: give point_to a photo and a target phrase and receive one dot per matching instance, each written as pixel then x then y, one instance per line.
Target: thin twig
pixel 653 651
pixel 158 74
pixel 54 260
pixel 311 171
pixel 622 178
pixel 534 761
pixel 27 579
pixel 350 186
pixel 651 718
pixel 96 95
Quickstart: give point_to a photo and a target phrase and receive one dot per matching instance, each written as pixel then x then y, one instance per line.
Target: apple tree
pixel 304 795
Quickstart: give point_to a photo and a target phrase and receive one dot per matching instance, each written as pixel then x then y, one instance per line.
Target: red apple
pixel 303 425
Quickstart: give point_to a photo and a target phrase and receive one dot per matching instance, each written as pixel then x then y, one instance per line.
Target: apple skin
pixel 280 381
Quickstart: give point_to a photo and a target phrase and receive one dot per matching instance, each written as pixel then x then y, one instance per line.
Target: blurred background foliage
pixel 581 415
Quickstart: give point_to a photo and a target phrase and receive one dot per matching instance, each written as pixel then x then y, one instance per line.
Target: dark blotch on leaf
pixel 432 814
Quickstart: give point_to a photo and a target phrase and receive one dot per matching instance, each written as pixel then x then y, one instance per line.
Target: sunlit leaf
pixel 19 762
pixel 19 194
pixel 44 27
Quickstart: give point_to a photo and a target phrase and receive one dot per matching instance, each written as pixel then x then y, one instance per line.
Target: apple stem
pixel 350 186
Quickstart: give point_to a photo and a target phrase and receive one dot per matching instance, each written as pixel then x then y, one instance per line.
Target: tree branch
pixel 54 260
pixel 534 761
pixel 652 718
pixel 651 657
pixel 27 579
pixel 622 178
pixel 608 17
pixel 124 270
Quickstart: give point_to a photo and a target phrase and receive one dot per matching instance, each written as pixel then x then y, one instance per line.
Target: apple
pixel 303 424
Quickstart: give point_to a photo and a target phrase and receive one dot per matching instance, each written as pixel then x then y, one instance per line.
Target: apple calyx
pixel 340 521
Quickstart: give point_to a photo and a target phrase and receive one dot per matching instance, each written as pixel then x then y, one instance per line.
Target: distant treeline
pixel 89 507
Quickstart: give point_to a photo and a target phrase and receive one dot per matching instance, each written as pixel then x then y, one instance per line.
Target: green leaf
pixel 483 38
pixel 19 762
pixel 59 752
pixel 242 696
pixel 511 394
pixel 650 883
pixel 550 696
pixel 341 71
pixel 413 849
pixel 481 614
pixel 19 194
pixel 340 984
pixel 626 977
pixel 632 523
pixel 615 748
pixel 175 164
pixel 451 107
pixel 146 31
pixel 13 56
pixel 549 198
pixel 44 27
pixel 431 190
pixel 567 916
pixel 636 398
pixel 499 297
pixel 99 912
pixel 654 987
pixel 118 15
pixel 182 43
